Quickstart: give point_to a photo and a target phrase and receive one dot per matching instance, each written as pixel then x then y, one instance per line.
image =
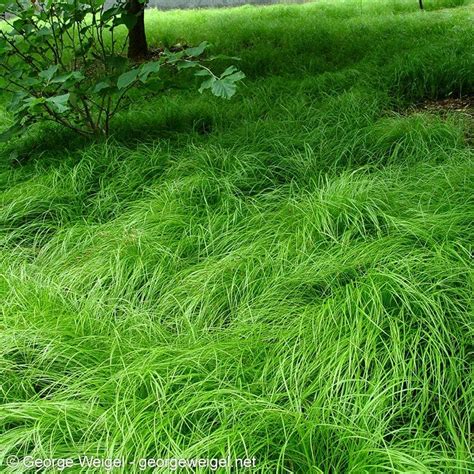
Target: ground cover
pixel 285 276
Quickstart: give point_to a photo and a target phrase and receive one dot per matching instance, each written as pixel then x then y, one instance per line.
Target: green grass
pixel 287 275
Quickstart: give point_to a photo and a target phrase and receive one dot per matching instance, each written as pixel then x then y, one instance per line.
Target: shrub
pixel 64 61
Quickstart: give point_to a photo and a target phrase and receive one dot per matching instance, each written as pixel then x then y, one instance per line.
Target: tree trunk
pixel 137 44
pixel 420 2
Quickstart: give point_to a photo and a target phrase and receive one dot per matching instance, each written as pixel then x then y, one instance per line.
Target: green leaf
pixel 173 58
pixel 127 19
pixel 228 71
pixel 73 99
pixel 187 65
pixel 223 88
pixel 48 74
pixel 110 13
pixel 225 85
pixel 203 72
pixel 197 50
pixel 127 78
pixel 59 103
pixel 34 105
pixel 148 68
pixel 72 77
pixel 100 86
pixel 224 56
pixel 237 76
pixel 30 81
pixel 207 84
pixel 44 31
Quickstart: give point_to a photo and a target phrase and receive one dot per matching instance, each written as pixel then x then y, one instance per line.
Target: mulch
pixel 463 105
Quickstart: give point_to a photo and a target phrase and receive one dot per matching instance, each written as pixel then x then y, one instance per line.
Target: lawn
pixel 285 276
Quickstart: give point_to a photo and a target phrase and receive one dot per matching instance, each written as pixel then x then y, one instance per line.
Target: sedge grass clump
pixel 287 276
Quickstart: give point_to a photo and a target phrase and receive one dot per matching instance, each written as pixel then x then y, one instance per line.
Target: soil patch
pixel 463 105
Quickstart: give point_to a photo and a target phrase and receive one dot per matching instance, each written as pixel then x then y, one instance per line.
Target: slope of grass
pixel 286 276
